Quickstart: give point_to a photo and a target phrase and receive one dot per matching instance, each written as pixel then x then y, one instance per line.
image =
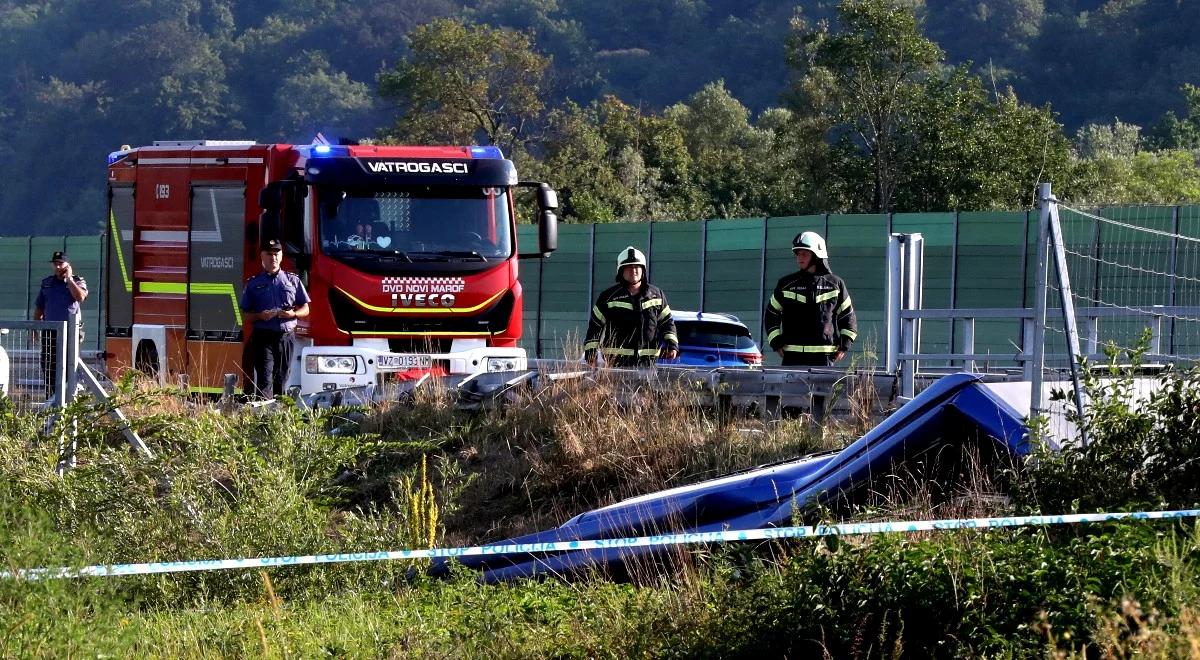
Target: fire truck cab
pixel 409 255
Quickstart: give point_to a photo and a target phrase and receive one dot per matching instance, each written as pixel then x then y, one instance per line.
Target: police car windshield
pixel 416 223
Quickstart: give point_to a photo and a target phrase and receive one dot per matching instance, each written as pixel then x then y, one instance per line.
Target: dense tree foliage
pixel 863 80
pixel 638 109
pixel 465 83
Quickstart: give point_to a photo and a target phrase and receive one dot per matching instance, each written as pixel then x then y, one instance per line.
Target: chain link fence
pixel 35 361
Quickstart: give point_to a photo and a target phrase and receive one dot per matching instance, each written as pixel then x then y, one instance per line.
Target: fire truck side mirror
pixel 547 198
pixel 270 197
pixel 270 225
pixel 547 232
pixel 547 201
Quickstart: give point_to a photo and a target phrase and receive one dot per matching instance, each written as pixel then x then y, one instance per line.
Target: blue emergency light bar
pixel 488 151
pixel 324 150
pixel 117 155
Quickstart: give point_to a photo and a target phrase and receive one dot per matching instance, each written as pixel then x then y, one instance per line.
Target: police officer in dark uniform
pixel 58 298
pixel 631 322
pixel 272 302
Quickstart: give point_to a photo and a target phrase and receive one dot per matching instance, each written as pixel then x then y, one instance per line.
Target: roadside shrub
pixel 1144 449
pixel 959 595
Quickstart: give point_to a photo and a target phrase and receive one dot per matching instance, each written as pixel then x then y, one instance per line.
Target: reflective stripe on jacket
pixel 630 328
pixel 811 313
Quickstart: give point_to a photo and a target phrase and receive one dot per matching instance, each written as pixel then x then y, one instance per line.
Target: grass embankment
pixel 234 484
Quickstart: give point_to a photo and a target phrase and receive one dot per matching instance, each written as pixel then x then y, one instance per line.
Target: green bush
pixel 993 593
pixel 1143 451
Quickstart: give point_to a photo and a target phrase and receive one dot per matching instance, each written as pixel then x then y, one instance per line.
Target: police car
pixel 713 339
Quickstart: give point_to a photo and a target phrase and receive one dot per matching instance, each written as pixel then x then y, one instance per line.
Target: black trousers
pixel 791 359
pixel 271 356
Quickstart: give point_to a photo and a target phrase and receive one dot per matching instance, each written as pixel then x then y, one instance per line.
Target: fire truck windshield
pixel 416 223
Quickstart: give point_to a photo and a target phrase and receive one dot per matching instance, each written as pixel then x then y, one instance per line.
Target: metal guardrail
pixel 903 300
pixel 1091 317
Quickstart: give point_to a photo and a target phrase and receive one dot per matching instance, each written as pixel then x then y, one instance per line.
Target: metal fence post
pixel 1039 305
pixel 60 365
pixel 913 274
pixel 537 332
pixel 28 275
pixel 1174 269
pixel 71 359
pixel 68 365
pixel 1028 332
pixel 591 273
pixel 892 298
pixel 762 286
pixel 1068 310
pixel 916 284
pixel 954 284
pixel 968 343
pixel 101 313
pixel 649 248
pixel 703 259
pixel 1156 333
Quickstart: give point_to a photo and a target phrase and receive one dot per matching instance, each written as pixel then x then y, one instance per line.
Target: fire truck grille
pixel 352 318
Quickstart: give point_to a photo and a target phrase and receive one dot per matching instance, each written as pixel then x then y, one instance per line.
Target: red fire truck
pixel 409 255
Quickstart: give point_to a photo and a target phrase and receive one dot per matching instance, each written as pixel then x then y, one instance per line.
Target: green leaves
pixel 906 135
pixel 462 83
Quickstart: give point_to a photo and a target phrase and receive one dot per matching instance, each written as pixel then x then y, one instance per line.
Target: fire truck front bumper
pixel 328 368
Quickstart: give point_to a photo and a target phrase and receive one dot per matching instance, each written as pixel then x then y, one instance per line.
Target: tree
pixel 315 98
pixel 1113 168
pixel 1117 140
pixel 967 150
pixel 614 162
pixel 1175 133
pixel 985 30
pixel 556 34
pixel 740 168
pixel 464 82
pixel 860 79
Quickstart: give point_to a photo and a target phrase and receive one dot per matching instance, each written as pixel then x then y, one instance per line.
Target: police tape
pixel 687 538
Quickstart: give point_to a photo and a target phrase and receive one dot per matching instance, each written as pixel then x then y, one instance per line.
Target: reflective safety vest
pixel 811 313
pixel 629 329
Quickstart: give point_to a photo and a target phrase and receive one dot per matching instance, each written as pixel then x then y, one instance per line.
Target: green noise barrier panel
pixel 990 272
pixel 25 262
pixel 972 260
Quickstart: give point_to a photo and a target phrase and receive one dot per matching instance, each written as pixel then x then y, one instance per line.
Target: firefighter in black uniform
pixel 631 322
pixel 810 319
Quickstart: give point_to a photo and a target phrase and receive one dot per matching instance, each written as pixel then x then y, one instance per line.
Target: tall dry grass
pixel 578 442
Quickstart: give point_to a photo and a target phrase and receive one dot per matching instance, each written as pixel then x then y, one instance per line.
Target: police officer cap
pixel 59 256
pixel 272 245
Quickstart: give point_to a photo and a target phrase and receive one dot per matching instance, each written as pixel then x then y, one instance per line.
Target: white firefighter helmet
pixel 811 241
pixel 630 256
